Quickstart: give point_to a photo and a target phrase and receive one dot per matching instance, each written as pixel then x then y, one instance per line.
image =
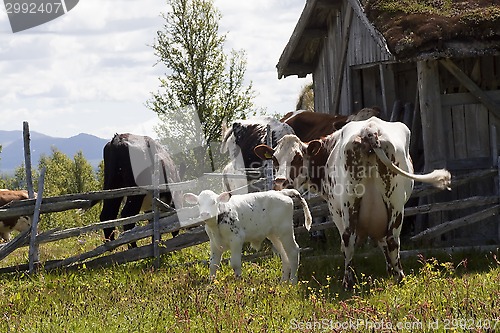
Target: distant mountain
pixel 12 154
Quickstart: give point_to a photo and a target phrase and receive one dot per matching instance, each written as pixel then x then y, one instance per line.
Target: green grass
pixel 448 291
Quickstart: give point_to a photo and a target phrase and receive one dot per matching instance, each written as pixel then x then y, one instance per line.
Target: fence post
pixel 34 257
pixel 156 211
pixel 268 164
pixel 27 159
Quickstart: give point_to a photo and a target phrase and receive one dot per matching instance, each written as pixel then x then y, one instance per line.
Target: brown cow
pixel 19 223
pixel 314 125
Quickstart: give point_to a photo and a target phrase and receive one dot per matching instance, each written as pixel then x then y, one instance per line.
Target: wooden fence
pixel 194 234
pixel 165 220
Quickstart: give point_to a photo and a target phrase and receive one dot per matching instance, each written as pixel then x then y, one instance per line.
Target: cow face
pixel 290 158
pixel 208 202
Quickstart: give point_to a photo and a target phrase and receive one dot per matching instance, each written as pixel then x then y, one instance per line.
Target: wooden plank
pixel 388 87
pixel 475 201
pixel 458 119
pixel 458 223
pixel 481 96
pixel 156 212
pixel 33 253
pixel 44 208
pixel 431 113
pixel 454 99
pixel 469 163
pixel 21 240
pixel 182 241
pixel 341 69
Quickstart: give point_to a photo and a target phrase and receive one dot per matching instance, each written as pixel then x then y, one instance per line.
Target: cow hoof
pixel 348 281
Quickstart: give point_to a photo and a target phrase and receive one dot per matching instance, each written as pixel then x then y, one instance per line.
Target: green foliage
pixel 65 176
pixel 203 85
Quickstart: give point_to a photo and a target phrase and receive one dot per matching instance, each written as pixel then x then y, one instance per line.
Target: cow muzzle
pixel 278 183
pixel 205 215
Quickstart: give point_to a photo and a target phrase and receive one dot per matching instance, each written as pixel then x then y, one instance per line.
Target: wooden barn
pixel 435 65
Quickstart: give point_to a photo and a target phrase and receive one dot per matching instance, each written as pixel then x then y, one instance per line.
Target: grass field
pixel 441 293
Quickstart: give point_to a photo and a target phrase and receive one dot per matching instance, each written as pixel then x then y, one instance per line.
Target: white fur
pixel 250 218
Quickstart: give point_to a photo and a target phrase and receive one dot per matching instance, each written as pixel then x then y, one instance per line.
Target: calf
pixel 19 223
pixel 234 220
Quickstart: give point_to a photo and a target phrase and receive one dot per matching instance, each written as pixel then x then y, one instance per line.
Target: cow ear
pixel 191 198
pixel 313 147
pixel 224 197
pixel 264 152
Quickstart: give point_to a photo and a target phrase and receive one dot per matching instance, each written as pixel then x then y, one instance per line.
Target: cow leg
pixel 132 207
pixel 236 246
pixel 390 247
pixel 292 254
pixel 285 262
pixel 109 211
pixel 348 242
pixel 215 258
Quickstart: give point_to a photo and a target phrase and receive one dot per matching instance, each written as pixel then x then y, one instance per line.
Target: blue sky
pixel 91 70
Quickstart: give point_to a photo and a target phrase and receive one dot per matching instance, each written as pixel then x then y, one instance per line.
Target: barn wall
pixel 362 49
pixel 372 77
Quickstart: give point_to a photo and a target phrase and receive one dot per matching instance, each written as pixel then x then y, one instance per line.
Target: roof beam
pixel 474 89
pixel 299 69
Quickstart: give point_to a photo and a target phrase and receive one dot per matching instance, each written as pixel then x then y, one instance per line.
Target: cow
pixel 315 125
pixel 231 220
pixel 240 140
pixel 129 162
pixel 365 174
pixel 19 223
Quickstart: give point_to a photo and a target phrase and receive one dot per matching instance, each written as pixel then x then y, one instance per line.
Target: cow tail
pixel 294 194
pixel 439 178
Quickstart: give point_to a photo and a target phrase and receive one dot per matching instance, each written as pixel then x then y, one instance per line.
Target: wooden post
pixel 156 210
pixel 268 164
pixel 431 114
pixel 34 257
pixel 340 70
pixel 27 159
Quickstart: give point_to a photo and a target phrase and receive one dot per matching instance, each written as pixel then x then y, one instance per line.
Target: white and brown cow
pixel 18 223
pixel 365 173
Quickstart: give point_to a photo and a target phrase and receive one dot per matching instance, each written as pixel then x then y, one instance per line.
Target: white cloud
pixel 91 70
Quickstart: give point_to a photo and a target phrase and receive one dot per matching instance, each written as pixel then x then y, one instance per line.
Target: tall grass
pixel 460 292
